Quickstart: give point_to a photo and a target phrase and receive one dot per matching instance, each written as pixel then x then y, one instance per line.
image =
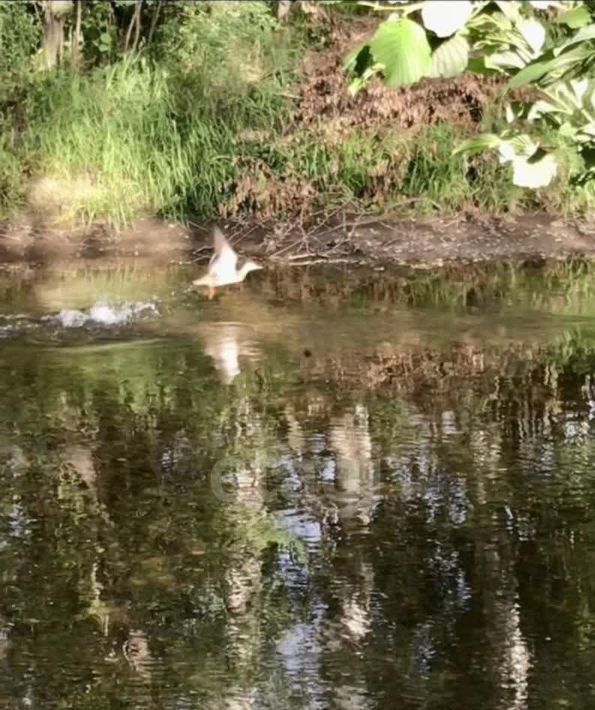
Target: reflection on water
pixel 225 343
pixel 382 500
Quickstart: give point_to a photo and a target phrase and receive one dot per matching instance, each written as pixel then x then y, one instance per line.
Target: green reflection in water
pixel 372 497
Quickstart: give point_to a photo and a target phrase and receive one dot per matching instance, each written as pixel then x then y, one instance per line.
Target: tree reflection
pixel 374 543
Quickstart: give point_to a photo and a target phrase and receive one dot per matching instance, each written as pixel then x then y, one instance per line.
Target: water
pixel 319 491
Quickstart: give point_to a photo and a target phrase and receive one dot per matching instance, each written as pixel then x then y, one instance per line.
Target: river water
pixel 320 490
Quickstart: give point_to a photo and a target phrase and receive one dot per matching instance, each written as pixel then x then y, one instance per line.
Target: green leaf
pixel 583 35
pixel 505 60
pixel 479 144
pixel 450 58
pixel 477 65
pixel 402 48
pixel 540 108
pixel 510 9
pixel 567 130
pixel 530 74
pixel 545 65
pixel 520 146
pixel 575 18
pixel 445 17
pixel 533 33
pixel 533 172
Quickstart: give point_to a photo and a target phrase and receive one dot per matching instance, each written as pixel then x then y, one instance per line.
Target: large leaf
pixel 505 60
pixel 531 166
pixel 583 35
pixel 530 74
pixel 534 173
pixel 541 108
pixel 512 10
pixel 477 65
pixel 402 48
pixel 450 58
pixel 548 66
pixel 533 33
pixel 479 144
pixel 575 17
pixel 521 146
pixel 445 17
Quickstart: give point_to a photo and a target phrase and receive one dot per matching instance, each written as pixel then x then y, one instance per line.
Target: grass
pixel 118 134
pixel 194 132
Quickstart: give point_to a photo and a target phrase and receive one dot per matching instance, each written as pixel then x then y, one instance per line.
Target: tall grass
pixel 158 134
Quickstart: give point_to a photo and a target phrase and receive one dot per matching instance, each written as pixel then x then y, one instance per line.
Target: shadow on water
pixel 326 489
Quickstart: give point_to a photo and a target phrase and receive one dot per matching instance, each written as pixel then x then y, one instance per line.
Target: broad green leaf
pixel 567 130
pixel 521 146
pixel 534 173
pixel 546 66
pixel 450 58
pixel 359 82
pixel 479 144
pixel 445 17
pixel 505 60
pixel 533 33
pixel 402 48
pixel 575 17
pixel 540 108
pixel 524 145
pixel 510 9
pixel 583 35
pixel 477 65
pixel 513 112
pixel 530 74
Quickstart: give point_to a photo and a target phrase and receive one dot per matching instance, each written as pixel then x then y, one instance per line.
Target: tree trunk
pixel 137 11
pixel 54 17
pixel 134 24
pixel 77 40
pixel 283 8
pixel 154 19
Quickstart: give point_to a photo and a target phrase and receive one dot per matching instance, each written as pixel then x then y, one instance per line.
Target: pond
pixel 321 490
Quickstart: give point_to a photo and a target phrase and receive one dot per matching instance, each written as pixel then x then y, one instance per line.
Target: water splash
pixel 103 313
pixel 13 323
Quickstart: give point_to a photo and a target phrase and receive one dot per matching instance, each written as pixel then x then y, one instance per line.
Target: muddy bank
pixel 361 240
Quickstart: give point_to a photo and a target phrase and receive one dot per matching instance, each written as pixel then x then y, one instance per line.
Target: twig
pixel 322 260
pixel 134 21
pixel 154 19
pixel 137 11
pixel 303 256
pixel 287 248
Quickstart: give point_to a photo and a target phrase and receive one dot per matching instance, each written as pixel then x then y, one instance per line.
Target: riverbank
pixel 340 238
pixel 279 141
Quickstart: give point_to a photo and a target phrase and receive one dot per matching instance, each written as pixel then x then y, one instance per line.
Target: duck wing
pixel 224 260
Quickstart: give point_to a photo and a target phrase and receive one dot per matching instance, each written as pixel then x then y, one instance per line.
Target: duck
pixel 222 269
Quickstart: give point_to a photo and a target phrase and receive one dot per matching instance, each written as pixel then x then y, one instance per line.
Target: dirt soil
pixel 323 92
pixel 360 240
